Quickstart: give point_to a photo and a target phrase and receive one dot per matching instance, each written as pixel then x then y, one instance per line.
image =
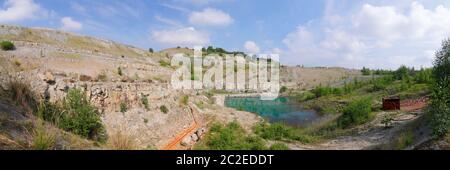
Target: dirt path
pixel 371 135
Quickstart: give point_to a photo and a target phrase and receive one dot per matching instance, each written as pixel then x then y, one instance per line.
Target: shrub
pixel 119 71
pixel 401 73
pixel 80 116
pixel 305 96
pixel 440 100
pixel 184 99
pixel 123 107
pixel 283 89
pixel 120 141
pixel 365 71
pixel 232 137
pixel 278 131
pixel 404 140
pixel 22 95
pixel 424 76
pixel 150 50
pixel 163 63
pixel 144 101
pixel 43 139
pixel 356 113
pixel 164 109
pixel 7 45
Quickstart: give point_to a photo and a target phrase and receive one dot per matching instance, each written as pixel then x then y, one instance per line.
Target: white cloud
pixel 180 37
pixel 210 16
pixel 17 10
pixel 167 21
pixel 251 47
pixel 375 36
pixel 71 25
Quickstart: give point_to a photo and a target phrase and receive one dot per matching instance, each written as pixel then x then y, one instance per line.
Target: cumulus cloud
pixel 71 25
pixel 210 16
pixel 251 47
pixel 374 36
pixel 18 10
pixel 188 36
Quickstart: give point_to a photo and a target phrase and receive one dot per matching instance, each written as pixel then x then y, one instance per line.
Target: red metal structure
pixel 391 103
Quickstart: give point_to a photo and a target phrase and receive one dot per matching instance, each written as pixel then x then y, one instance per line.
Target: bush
pixel 150 50
pixel 120 141
pixel 43 139
pixel 123 107
pixel 401 73
pixel 7 45
pixel 440 99
pixel 365 71
pixel 144 101
pixel 404 140
pixel 119 71
pixel 163 63
pixel 424 76
pixel 305 96
pixel 80 117
pixel 283 89
pixel 164 109
pixel 278 131
pixel 184 100
pixel 356 113
pixel 22 95
pixel 232 137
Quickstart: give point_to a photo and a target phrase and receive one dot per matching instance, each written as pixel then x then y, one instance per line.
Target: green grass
pixel 74 114
pixel 163 63
pixel 278 131
pixel 404 140
pixel 43 139
pixel 231 137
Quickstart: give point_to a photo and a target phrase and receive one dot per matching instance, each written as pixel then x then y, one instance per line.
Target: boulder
pixel 186 142
pixel 194 137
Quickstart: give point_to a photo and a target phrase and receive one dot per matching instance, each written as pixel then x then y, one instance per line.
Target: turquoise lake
pixel 283 109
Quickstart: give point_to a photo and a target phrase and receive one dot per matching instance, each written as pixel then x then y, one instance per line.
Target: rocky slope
pixel 112 75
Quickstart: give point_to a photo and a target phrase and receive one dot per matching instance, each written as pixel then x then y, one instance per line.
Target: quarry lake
pixel 282 110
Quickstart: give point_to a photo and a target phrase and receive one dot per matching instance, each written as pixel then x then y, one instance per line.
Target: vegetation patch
pixel 231 137
pixel 356 113
pixel 164 109
pixel 278 131
pixel 7 46
pixel 75 114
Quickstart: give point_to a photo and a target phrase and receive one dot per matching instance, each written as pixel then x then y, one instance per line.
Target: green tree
pixel 365 71
pixel 440 99
pixel 401 73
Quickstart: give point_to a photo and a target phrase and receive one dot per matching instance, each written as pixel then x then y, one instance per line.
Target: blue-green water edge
pixel 282 109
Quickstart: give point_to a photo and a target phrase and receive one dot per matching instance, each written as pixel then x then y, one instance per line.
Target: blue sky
pixel 347 33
